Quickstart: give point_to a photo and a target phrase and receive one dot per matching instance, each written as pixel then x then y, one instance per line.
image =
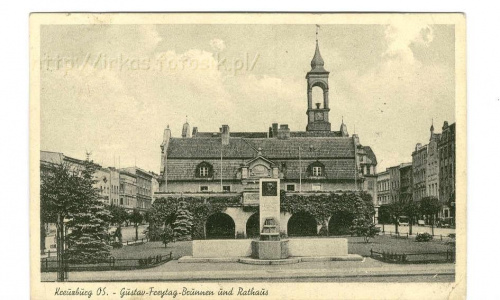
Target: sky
pixel 112 89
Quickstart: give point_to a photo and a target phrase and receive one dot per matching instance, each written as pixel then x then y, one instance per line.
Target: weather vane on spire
pixel 317 31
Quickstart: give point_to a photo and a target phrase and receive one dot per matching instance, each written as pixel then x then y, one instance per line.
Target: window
pixel 290 187
pixel 316 187
pixel 204 188
pixel 316 171
pixel 204 170
pixel 226 188
pixel 121 201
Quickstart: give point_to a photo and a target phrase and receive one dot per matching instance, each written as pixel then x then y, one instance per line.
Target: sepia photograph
pixel 247 155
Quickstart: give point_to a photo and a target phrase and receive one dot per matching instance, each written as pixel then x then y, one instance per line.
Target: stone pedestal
pixel 270 249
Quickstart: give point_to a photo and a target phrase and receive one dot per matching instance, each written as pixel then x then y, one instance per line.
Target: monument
pixel 270 248
pixel 270 245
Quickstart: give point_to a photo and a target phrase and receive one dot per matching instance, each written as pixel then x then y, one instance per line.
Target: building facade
pixel 406 182
pixel 224 162
pixel 395 183
pixel 447 172
pixel 419 166
pixel 144 181
pixel 128 190
pixel 114 175
pixel 383 188
pixel 432 171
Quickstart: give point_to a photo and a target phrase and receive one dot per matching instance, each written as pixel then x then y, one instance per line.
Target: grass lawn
pixel 386 243
pixel 178 249
pixel 357 245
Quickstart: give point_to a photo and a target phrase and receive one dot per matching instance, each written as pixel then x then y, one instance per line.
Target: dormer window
pixel 204 170
pixel 316 169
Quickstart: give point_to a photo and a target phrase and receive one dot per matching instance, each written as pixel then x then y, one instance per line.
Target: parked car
pixel 404 221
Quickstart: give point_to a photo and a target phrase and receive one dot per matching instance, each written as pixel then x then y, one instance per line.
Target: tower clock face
pixel 318 116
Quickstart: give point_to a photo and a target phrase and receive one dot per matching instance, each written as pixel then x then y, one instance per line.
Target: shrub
pixel 365 228
pixel 116 245
pixel 423 237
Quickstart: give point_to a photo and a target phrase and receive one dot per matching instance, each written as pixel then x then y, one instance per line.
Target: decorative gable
pixel 259 167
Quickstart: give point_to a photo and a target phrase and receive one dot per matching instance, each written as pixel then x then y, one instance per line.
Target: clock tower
pixel 317 114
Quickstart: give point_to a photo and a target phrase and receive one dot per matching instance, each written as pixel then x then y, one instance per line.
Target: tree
pixel 364 227
pixel 136 218
pixel 396 210
pixel 88 221
pixel 58 196
pixel 183 223
pixel 118 216
pixel 67 194
pixel 411 209
pixel 429 206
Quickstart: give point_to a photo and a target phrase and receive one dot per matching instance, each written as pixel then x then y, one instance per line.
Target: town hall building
pixel 316 160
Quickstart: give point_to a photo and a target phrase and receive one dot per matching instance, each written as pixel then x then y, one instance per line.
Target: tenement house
pixel 446 149
pixel 231 163
pixel 419 166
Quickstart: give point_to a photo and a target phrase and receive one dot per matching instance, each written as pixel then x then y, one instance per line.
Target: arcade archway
pixel 253 226
pixel 220 226
pixel 340 223
pixel 302 224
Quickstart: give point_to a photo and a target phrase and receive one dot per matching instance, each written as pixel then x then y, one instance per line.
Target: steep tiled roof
pixel 315 134
pixel 258 134
pixel 336 154
pixel 271 148
pixel 208 148
pixel 309 147
pixel 185 169
pixel 334 169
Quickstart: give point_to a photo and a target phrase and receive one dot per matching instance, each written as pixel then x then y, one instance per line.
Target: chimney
pixel 166 135
pixel 275 130
pixel 225 134
pixel 195 131
pixel 284 132
pixel 186 133
pixel 355 137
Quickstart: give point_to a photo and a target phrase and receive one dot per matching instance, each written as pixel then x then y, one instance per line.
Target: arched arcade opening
pixel 340 223
pixel 302 224
pixel 220 226
pixel 253 226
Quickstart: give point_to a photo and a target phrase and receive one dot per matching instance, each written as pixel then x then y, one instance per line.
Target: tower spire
pixel 317 63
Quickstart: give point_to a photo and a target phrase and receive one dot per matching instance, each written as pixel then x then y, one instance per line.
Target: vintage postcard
pixel 269 156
